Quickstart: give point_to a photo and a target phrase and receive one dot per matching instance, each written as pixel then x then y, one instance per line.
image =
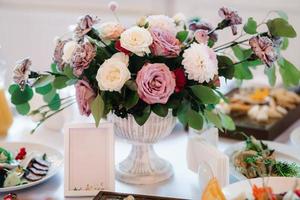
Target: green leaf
pixel 44 90
pixel 55 103
pixel 160 109
pixel 20 97
pixel 141 119
pixel 241 53
pixel 205 94
pixel 60 82
pixel 282 14
pixel 68 71
pixel 131 100
pixel 271 73
pixel 285 44
pixel 131 85
pixel 43 80
pixel 227 122
pixel 23 109
pixel 251 26
pixel 50 95
pixel 289 73
pixel 12 88
pixel 195 119
pixel 226 68
pixel 242 71
pixel 281 27
pixel 213 118
pixel 182 35
pixel 97 108
pixel 54 68
pixel 181 112
pixel 71 82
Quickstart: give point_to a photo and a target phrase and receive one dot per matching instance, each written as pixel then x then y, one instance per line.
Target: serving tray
pixel 268 131
pixel 120 196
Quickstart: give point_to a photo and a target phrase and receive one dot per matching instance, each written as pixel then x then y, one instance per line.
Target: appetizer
pixel 22 168
pixel 257 160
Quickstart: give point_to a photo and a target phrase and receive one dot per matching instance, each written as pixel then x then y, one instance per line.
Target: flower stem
pixel 230 44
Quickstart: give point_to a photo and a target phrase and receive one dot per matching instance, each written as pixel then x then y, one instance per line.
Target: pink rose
pixel 155 83
pixel 84 96
pixel 201 36
pixel 164 43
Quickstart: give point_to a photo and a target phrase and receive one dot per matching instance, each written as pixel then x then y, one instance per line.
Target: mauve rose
pixel 82 57
pixel 201 36
pixel 21 72
pixel 164 43
pixel 194 26
pixel 84 96
pixel 155 83
pixel 231 17
pixel 58 53
pixel 180 79
pixel 84 25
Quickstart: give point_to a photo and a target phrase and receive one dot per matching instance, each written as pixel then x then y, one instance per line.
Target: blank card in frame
pixel 89 159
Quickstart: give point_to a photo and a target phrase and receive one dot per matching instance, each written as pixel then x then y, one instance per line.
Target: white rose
pixel 200 63
pixel 179 17
pixel 162 22
pixel 110 30
pixel 137 40
pixel 113 73
pixel 68 50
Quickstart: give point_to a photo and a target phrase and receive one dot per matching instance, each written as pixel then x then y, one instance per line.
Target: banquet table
pixel 184 183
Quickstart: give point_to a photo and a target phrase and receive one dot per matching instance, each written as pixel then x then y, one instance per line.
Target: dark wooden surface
pixel 120 196
pixel 269 131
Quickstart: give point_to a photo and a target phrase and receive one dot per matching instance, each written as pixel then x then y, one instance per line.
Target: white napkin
pixel 200 152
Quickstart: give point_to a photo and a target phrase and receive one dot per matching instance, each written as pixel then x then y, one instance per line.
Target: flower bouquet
pixel 160 68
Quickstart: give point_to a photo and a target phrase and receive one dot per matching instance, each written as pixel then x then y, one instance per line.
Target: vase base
pixel 157 176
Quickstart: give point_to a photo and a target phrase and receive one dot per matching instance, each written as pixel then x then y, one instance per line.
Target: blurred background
pixel 28 27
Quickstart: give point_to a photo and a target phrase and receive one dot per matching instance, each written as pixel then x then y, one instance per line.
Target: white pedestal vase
pixel 143 165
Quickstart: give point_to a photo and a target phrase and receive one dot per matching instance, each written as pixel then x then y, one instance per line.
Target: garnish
pixel 5 156
pixel 21 155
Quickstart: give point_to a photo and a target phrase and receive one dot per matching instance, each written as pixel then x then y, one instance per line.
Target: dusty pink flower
pixel 155 83
pixel 264 48
pixel 84 97
pixel 82 57
pixel 204 26
pixel 58 53
pixel 21 72
pixel 164 43
pixel 84 25
pixel 201 36
pixel 232 18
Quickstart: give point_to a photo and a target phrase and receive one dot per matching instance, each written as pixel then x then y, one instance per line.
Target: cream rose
pixel 162 22
pixel 113 73
pixel 137 40
pixel 68 51
pixel 110 30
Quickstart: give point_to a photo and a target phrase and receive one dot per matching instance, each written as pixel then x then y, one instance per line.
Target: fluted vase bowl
pixel 143 165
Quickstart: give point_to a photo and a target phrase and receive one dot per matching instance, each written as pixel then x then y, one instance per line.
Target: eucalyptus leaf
pixel 23 109
pixel 182 111
pixel 12 88
pixel 141 119
pixel 71 82
pixel 160 109
pixel 44 90
pixel 60 82
pixel 54 68
pixel 242 71
pixel 182 35
pixel 226 68
pixel 205 94
pixel 227 122
pixel 131 85
pixel 20 97
pixel 289 73
pixel 68 71
pixel 195 119
pixel 251 26
pixel 131 100
pixel 281 27
pixel 213 118
pixel 43 80
pixel 55 103
pixel 50 95
pixel 97 108
pixel 285 44
pixel 271 73
pixel 282 14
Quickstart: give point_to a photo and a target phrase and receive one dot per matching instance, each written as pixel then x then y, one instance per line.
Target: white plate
pixel 295 136
pixel 283 152
pixel 278 184
pixel 54 156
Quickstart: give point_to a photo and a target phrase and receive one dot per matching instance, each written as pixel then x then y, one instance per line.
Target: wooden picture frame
pixel 89 159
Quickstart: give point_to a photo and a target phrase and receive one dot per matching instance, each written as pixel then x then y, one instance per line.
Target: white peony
pixel 68 51
pixel 113 73
pixel 110 30
pixel 162 22
pixel 137 40
pixel 200 63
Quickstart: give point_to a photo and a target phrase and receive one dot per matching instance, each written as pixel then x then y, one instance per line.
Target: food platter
pixel 54 158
